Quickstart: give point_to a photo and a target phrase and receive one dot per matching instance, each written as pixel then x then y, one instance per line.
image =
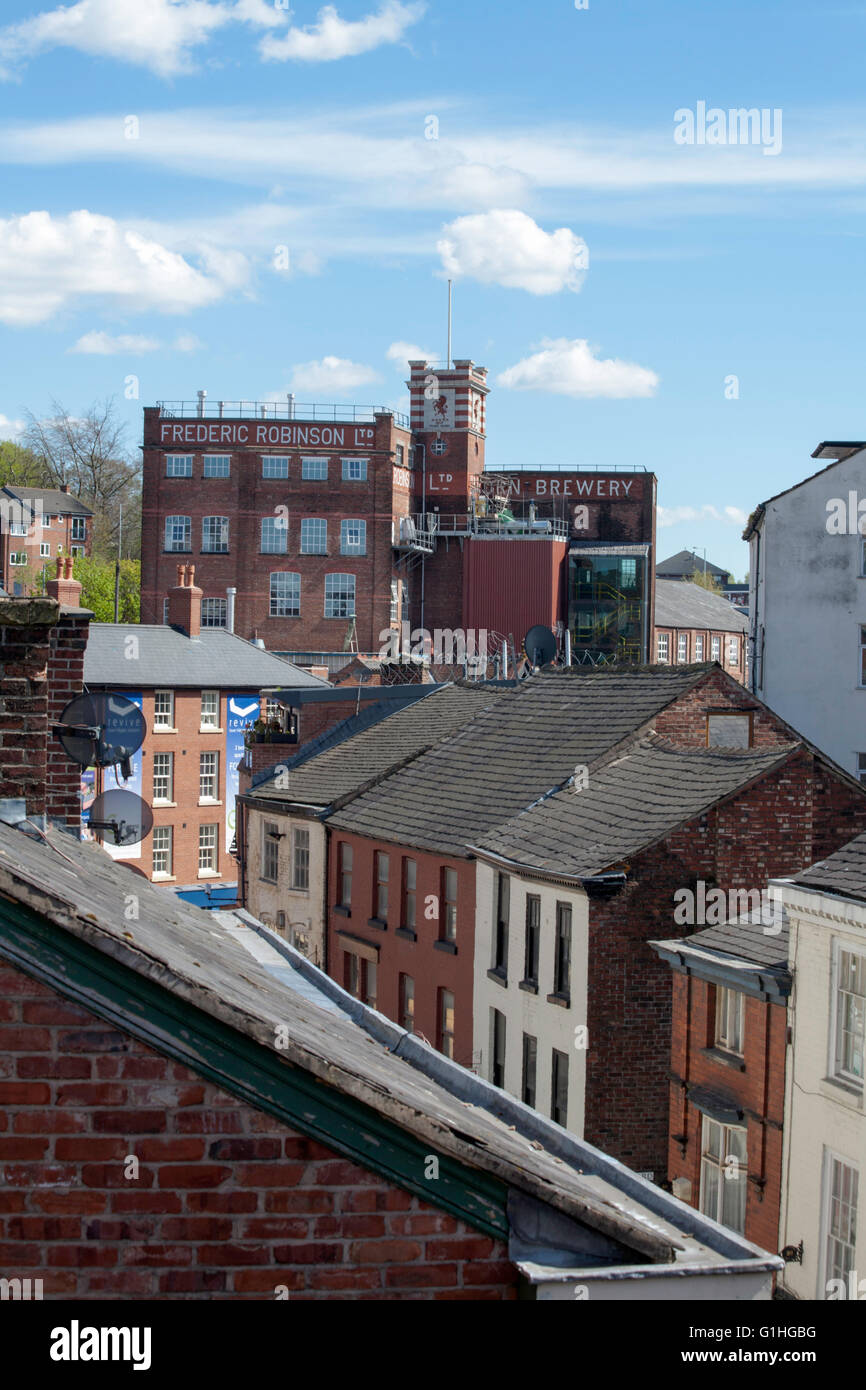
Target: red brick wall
pixel 65 681
pixel 758 1089
pixel 245 497
pixel 24 656
pixel 765 832
pixel 738 671
pixel 685 721
pixel 430 968
pixel 228 1202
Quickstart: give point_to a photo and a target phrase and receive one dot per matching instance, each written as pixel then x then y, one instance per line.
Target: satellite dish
pixel 100 730
pixel 540 645
pixel 121 817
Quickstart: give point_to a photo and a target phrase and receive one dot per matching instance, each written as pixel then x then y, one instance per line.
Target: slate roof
pixel 197 960
pixel 369 745
pixel 54 502
pixel 679 603
pixel 216 659
pixel 686 562
pixel 746 938
pixel 526 743
pixel 843 872
pixel 630 802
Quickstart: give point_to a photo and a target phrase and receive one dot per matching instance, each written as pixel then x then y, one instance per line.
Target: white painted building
pixel 531 949
pixel 824 1160
pixel 285 867
pixel 807 602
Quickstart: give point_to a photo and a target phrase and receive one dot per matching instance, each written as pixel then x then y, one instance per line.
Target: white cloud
pixel 569 367
pixel 47 263
pixel 100 344
pixel 672 516
pixel 401 354
pixel 154 34
pixel 333 37
pixel 505 247
pixel 10 429
pixel 331 374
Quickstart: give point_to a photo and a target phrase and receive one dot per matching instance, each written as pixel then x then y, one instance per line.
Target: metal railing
pixel 565 468
pixel 288 409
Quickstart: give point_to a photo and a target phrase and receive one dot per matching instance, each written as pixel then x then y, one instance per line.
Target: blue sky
pixel 227 194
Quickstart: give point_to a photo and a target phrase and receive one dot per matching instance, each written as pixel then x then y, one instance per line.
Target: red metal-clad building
pixel 509 588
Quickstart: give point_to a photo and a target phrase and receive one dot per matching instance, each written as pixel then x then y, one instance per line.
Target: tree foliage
pixel 96 577
pixel 706 580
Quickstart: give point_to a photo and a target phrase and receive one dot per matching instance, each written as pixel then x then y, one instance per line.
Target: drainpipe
pixel 230 609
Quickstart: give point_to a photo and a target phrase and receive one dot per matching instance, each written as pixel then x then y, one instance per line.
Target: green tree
pixel 706 581
pixel 21 467
pixel 96 577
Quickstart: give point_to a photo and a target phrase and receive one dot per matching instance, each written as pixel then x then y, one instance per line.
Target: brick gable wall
pixel 228 1202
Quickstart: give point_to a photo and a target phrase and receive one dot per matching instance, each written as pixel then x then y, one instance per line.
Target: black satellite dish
pixel 100 730
pixel 121 817
pixel 540 645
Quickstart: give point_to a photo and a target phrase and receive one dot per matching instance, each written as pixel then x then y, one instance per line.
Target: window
pixel 662 652
pixel 163 776
pixel 840 1219
pixel 163 709
pixel 699 648
pixel 729 1020
pixel 314 536
pixel 730 730
pixel 345 885
pixel 210 709
pixel 301 859
pixel 208 776
pixel 500 932
pixel 274 466
pixel 354 470
pixel 18 557
pixel 715 648
pixel 559 1088
pixel 359 977
pixel 530 1062
pixel 497 1047
pixel 270 851
pixel 723 1173
pixel 285 595
pixel 217 465
pixel 445 1023
pixel 79 529
pixel 394 615
pixel 44 550
pixel 165 611
pixel 339 595
pixel 533 936
pixel 407 1003
pixel 178 533
pixel 682 646
pixel 353 537
pixel 380 888
pixel 76 550
pixel 861 768
pixel 18 528
pixel 410 883
pixel 448 924
pixel 207 849
pixel 863 656
pixel 733 651
pixel 562 952
pixel 162 848
pixel 213 612
pixel 400 456
pixel 214 534
pixel 314 469
pixel 275 535
pixel 849 1015
pixel 178 466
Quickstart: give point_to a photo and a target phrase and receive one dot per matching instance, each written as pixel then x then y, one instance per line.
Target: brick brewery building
pixel 302 520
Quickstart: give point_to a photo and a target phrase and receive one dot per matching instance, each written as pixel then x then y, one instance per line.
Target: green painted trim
pixel 249 1070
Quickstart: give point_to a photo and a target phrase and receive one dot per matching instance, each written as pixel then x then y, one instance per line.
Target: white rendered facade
pixel 824 1161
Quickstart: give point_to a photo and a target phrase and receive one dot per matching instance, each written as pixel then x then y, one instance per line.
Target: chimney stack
pixel 63 587
pixel 184 602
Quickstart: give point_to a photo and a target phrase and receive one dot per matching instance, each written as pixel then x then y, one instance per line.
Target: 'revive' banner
pixel 241 711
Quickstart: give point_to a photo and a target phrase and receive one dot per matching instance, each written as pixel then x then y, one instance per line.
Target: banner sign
pixel 241 711
pixel 110 780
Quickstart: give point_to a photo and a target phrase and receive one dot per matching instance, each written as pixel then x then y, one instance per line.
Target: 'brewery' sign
pixel 258 433
pixel 586 485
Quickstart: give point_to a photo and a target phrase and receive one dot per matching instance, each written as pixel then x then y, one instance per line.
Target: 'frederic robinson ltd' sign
pixel 254 434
